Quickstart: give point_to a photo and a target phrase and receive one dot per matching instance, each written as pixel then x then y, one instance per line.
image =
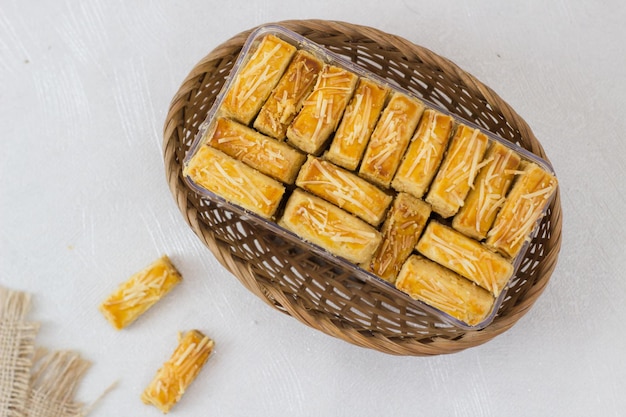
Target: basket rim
pixel 333 326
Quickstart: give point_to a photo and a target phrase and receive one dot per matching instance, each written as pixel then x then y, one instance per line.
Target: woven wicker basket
pixel 318 293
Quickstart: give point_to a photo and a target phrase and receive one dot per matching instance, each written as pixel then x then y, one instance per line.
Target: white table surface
pixel 84 90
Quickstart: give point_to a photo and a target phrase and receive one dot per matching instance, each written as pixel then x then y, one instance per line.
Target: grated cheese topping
pixel 400 234
pixel 140 292
pixel 465 256
pixel 343 189
pixel 251 76
pixel 179 371
pixel 520 212
pixel 265 154
pixel 324 224
pixel 442 289
pixel 459 170
pixel 235 181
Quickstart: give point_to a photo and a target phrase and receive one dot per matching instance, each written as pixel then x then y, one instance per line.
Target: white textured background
pixel 84 90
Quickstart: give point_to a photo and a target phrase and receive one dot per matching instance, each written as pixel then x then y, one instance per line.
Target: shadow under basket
pixel 299 283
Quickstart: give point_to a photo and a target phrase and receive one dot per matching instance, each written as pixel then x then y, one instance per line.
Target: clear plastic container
pixel 329 57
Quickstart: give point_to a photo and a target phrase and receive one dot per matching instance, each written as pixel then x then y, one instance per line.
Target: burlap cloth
pixel 34 383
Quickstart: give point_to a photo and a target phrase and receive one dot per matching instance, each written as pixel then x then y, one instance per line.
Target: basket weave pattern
pixel 316 292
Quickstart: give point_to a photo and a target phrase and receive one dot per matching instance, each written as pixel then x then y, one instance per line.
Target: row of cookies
pixel 387 151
